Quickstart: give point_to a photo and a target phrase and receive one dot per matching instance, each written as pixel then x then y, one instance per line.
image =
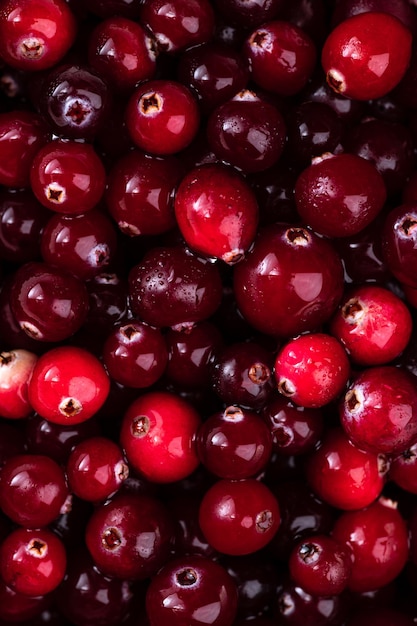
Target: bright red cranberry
pixel 172 287
pixel 96 469
pixel 67 177
pixel 178 24
pixel 378 538
pixel 205 594
pixel 140 191
pixel 281 57
pixel 234 443
pixel 33 562
pixel 68 385
pixel 36 37
pixel 291 281
pixel 22 220
pixel 129 536
pixel 135 354
pixel 215 71
pixel 373 324
pixel 75 101
pixel 49 303
pixel 247 132
pixel 402 469
pixel 321 565
pixel 16 368
pixel 239 517
pixel 338 195
pixel 158 436
pixel 22 134
pixel 378 411
pixel 122 51
pixel 84 244
pixel 294 429
pixel 216 212
pixel 162 117
pixel 33 490
pixel 312 370
pixel 294 606
pixel 343 475
pixel 399 243
pixel 400 9
pixel 366 55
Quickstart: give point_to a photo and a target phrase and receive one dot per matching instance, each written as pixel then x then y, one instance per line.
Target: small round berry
pixel 399 243
pixel 402 470
pixel 16 367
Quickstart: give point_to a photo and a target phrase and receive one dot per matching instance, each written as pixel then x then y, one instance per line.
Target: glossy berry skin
pixel 204 591
pixel 234 443
pixel 344 475
pixel 22 134
pixel 239 517
pixel 378 411
pixel 268 49
pixel 33 490
pixel 217 212
pixel 49 303
pixel 67 177
pixel 320 565
pixel 247 132
pixel 162 117
pixel 366 55
pixel 290 282
pixel 33 562
pixel 68 385
pixel 172 287
pixel 96 469
pixel 249 14
pixel 294 606
pixel 129 536
pixel 16 368
pixel 378 538
pixel 402 469
pixel 373 324
pixel 339 195
pixel 38 38
pixel 178 24
pixel 135 354
pixel 399 243
pixel 312 370
pixel 140 192
pixel 122 52
pixel 18 607
pixel 158 436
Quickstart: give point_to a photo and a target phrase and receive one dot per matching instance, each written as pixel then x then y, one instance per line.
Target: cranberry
pixel 17 607
pixel 239 517
pixel 216 212
pixel 366 55
pixel 399 243
pixel 295 606
pixel 402 469
pixel 204 592
pixel 250 13
pixel 291 281
pixel 158 435
pixel 16 368
pixel 338 195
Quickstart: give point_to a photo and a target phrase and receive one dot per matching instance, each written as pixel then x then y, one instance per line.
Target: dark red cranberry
pixel 75 101
pixel 317 90
pixel 399 243
pixel 49 303
pixel 12 441
pixel 294 606
pixel 16 369
pixel 129 536
pixel 178 24
pixel 38 38
pixel 67 177
pixel 377 60
pixel 281 57
pixel 378 411
pixel 309 15
pixel 338 195
pixel 216 212
pixel 158 436
pixel 378 538
pixel 214 71
pixel 291 281
pixel 189 538
pixel 172 287
pixel 380 617
pixel 107 296
pixel 402 469
pixel 16 607
pixel 344 475
pixel 140 191
pixel 274 190
pixel 294 429
pixel 204 592
pixel 249 13
pixel 122 52
pixel 110 8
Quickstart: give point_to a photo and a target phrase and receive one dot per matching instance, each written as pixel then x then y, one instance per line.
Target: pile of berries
pixel 208 269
